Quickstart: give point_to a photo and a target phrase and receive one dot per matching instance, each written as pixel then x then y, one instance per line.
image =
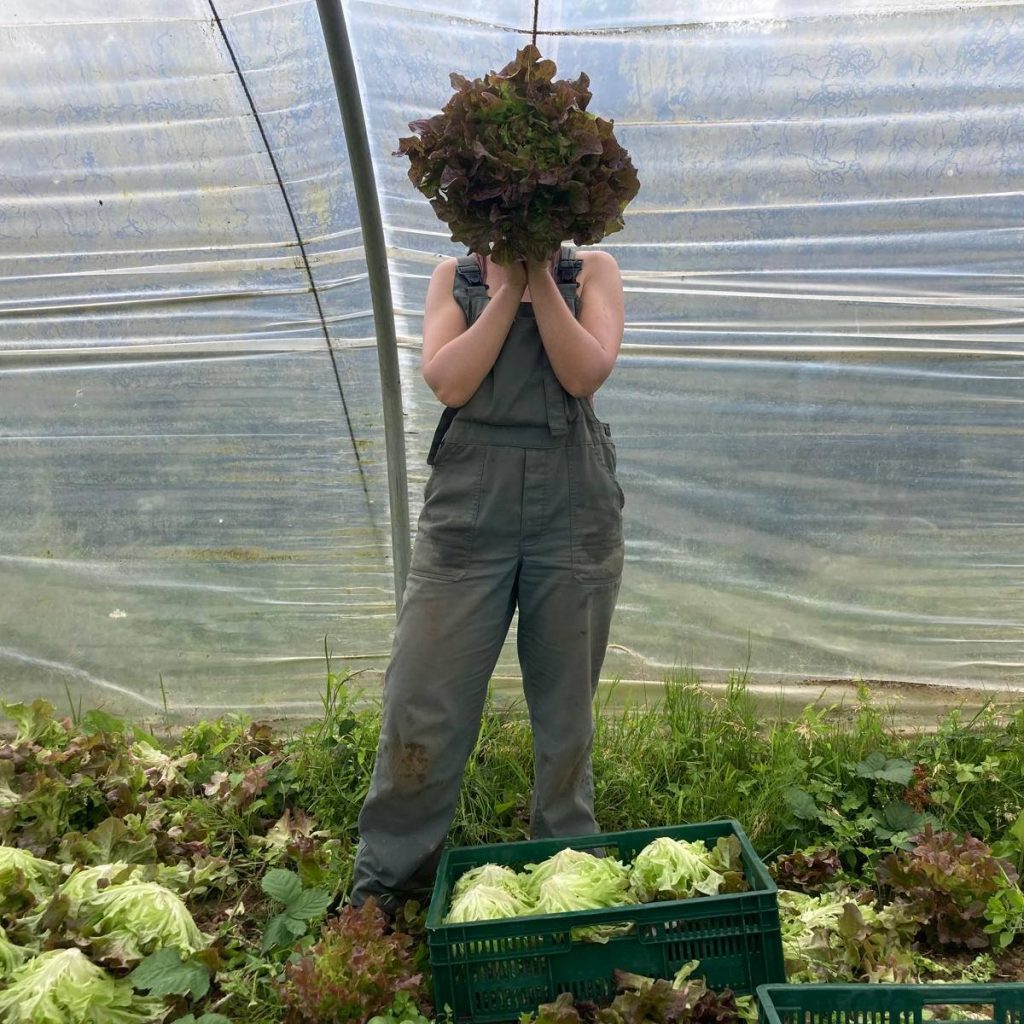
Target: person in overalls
pixel 522 507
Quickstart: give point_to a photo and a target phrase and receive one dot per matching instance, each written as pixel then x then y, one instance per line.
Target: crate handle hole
pixel 941 1011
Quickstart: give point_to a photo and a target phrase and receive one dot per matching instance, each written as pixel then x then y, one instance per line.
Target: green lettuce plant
pixel 569 880
pixel 62 986
pixel 482 902
pixel 676 869
pixel 832 937
pixel 515 163
pixel 24 878
pixel 606 877
pixel 402 1011
pixel 11 956
pixel 497 875
pixel 126 922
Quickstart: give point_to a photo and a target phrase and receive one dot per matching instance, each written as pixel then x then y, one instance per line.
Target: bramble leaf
pixel 878 766
pixel 801 803
pixel 164 974
pixel 283 885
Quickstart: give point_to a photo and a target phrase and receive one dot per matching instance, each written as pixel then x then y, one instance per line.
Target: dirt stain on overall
pixel 410 765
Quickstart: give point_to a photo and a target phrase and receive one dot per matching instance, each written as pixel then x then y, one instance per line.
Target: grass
pixel 691 756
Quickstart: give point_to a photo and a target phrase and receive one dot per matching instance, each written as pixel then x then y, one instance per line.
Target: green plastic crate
pixel 884 1004
pixel 494 970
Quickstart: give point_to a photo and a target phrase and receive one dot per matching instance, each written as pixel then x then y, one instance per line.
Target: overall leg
pixel 568 587
pixel 447 640
pixel 458 604
pixel 563 635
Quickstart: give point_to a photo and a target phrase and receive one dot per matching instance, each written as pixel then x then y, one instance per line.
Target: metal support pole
pixel 332 21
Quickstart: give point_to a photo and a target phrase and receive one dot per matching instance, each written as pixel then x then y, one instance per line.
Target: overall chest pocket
pixel 447 526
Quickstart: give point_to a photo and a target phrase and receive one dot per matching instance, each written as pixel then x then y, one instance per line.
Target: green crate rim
pixel 656 912
pixel 883 997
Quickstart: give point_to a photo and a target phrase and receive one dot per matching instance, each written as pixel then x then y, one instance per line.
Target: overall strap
pixel 469 270
pixel 468 284
pixel 569 266
pixel 447 415
pixel 561 407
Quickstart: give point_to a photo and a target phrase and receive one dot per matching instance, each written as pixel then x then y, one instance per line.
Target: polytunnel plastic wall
pixel 817 406
pixel 193 492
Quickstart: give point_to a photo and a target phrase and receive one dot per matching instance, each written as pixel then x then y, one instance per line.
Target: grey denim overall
pixel 522 507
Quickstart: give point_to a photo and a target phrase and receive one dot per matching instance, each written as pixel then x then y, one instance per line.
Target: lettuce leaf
pixel 576 890
pixel 11 956
pixel 834 938
pixel 85 883
pixel 675 869
pixel 482 902
pixel 602 873
pixel 127 922
pixel 948 881
pixel 36 724
pixel 24 878
pixel 495 875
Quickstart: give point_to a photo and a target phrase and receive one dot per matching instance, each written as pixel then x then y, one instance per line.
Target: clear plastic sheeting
pixel 818 406
pixel 193 492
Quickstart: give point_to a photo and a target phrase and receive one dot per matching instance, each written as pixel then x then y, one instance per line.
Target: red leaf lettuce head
pixel 515 164
pixel 947 882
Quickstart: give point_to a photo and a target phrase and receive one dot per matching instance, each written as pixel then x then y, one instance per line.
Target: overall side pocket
pixel 595 504
pixel 446 529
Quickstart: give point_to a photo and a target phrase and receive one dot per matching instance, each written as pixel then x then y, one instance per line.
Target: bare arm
pixel 582 352
pixel 456 358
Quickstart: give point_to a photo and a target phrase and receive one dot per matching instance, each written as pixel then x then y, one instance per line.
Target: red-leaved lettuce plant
pixel 352 973
pixel 515 164
pixel 808 870
pixel 948 883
